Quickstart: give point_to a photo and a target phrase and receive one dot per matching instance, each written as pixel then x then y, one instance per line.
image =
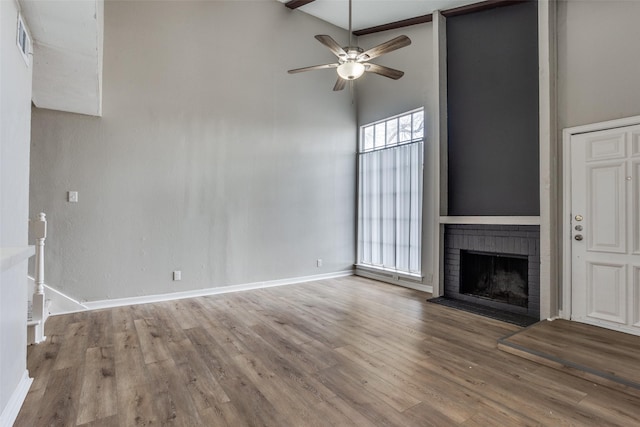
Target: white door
pixel 605 228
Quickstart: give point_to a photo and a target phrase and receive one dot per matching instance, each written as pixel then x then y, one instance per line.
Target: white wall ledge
pixel 13 256
pixel 491 220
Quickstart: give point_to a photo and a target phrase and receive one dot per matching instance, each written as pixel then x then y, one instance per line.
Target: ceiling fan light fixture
pixel 350 70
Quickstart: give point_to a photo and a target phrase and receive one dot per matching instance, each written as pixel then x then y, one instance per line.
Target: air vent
pixel 23 40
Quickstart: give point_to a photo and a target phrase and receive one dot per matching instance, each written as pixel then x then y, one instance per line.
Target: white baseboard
pixel 119 302
pixel 12 409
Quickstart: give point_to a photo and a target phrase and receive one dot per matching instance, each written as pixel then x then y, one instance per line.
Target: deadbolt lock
pixel 578 217
pixel 578 237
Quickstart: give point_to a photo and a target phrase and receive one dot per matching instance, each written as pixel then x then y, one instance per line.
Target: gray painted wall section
pixel 209 157
pixel 598 61
pixel 15 116
pixel 598 76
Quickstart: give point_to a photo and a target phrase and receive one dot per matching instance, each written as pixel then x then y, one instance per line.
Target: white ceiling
pixel 67 58
pixel 369 13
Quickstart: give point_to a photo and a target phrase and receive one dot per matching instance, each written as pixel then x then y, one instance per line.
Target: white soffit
pixel 370 13
pixel 67 57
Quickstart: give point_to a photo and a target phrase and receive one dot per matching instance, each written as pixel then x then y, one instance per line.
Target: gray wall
pixel 379 97
pixel 598 70
pixel 15 104
pixel 598 61
pixel 209 157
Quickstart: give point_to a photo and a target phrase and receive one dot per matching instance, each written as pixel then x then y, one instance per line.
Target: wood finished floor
pixel 349 352
pixel 598 354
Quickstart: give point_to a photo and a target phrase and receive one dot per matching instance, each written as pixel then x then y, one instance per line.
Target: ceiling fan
pixel 353 60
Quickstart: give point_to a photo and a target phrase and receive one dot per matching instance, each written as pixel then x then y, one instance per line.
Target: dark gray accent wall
pixel 492 66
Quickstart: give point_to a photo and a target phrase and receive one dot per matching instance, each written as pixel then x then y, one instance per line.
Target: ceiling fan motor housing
pixel 350 67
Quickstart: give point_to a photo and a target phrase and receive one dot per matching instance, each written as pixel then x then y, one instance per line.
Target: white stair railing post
pixel 39 312
pixel 40 232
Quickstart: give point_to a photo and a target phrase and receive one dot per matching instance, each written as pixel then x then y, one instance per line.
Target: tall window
pixel 390 193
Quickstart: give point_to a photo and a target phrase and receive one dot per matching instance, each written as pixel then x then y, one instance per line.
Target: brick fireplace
pixel 497 266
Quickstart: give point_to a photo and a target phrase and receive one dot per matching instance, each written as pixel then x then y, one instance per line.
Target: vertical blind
pixel 390 194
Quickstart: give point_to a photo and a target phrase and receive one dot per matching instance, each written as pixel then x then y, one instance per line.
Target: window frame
pixel 416 137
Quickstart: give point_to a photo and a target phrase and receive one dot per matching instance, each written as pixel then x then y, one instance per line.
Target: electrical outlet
pixel 177 275
pixel 319 262
pixel 72 196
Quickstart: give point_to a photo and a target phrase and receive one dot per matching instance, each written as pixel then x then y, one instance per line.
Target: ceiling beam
pixel 394 25
pixel 462 10
pixel 294 4
pixel 479 7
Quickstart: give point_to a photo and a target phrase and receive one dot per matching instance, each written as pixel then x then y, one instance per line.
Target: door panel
pixel 635 299
pixel 635 202
pixel 605 146
pixel 605 228
pixel 606 209
pixel 606 290
pixel 635 144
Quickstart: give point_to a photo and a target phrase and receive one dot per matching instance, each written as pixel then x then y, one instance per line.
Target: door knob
pixel 578 237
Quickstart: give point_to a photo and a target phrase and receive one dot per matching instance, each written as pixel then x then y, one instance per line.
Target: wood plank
pixel 444 410
pixel 250 402
pixel 204 389
pixel 98 397
pixel 360 399
pixel 59 404
pixel 151 337
pixel 100 333
pixel 172 401
pixel 183 311
pixel 223 414
pixel 135 405
pixel 291 407
pixel 72 346
pixel 103 422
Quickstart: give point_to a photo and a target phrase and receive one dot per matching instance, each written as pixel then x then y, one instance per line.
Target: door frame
pixel 565 220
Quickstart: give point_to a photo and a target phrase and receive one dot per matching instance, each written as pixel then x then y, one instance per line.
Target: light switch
pixel 72 196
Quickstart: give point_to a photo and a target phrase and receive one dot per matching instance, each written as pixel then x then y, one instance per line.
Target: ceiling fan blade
pixel 331 44
pixel 383 71
pixel 340 84
pixel 313 67
pixel 386 47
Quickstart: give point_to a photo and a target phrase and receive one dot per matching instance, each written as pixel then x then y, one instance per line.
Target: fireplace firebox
pixel 499 277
